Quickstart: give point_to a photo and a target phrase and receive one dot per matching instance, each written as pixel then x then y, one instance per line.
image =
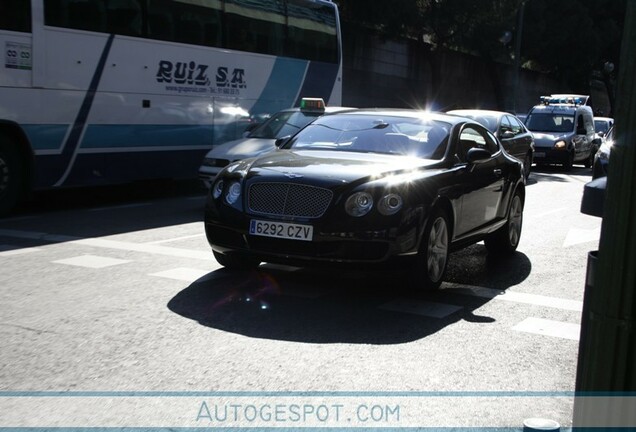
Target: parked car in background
pixel 370 187
pixel 262 138
pixel 563 129
pixel 601 159
pixel 513 134
pixel 602 125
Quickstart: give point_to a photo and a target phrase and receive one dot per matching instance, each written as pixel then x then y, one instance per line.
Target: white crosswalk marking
pixel 182 274
pixel 9 250
pixel 549 328
pixel 91 261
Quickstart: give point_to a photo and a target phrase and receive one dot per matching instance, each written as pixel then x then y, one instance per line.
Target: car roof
pixel 559 108
pixel 479 112
pixel 328 109
pixel 409 113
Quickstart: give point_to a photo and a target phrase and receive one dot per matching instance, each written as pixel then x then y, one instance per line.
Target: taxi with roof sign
pixel 262 138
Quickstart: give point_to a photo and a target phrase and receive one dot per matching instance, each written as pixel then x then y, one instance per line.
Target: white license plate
pixel 281 230
pixel 539 154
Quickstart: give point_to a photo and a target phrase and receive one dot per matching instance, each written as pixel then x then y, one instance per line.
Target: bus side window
pixel 160 26
pixel 86 15
pixel 124 17
pixel 189 31
pixel 15 15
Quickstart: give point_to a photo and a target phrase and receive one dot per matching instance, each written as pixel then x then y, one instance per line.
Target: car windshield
pixel 547 122
pixel 283 123
pixel 419 137
pixel 601 125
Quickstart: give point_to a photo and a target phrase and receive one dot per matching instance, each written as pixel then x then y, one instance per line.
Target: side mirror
pixel 282 141
pixel 476 154
pixel 507 134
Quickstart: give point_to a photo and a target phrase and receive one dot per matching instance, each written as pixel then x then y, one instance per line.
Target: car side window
pixel 515 124
pixel 505 126
pixel 588 122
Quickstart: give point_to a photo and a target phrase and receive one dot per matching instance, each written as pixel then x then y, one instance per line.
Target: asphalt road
pixel 113 312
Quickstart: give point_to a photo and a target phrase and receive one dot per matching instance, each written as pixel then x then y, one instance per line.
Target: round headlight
pixel 390 204
pixel 217 189
pixel 233 193
pixel 359 204
pixel 560 145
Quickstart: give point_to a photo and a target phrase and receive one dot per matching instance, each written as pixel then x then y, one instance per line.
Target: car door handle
pixel 497 172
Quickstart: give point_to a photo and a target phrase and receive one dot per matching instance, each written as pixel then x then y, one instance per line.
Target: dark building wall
pixel 394 74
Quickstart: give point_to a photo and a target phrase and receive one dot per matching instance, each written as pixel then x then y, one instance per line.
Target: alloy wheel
pixel 515 220
pixel 437 249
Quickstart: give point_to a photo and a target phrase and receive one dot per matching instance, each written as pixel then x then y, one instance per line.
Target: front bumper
pixel 335 245
pixel 548 155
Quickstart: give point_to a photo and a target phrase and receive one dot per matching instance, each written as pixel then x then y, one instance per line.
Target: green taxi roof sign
pixel 312 104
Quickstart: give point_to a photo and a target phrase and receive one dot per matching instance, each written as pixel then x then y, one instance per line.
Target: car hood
pixel 241 149
pixel 548 139
pixel 325 166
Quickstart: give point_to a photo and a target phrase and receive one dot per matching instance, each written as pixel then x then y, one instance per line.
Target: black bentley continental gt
pixel 370 187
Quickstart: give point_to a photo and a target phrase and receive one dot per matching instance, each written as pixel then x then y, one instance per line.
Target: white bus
pixel 109 91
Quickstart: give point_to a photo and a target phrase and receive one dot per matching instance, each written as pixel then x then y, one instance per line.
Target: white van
pixel 563 130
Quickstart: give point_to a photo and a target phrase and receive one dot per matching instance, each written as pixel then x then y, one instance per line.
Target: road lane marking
pixel 101 242
pixel 10 250
pixel 551 328
pixel 547 213
pixel 577 236
pixel 428 309
pixel 91 261
pixel 176 239
pixel 517 297
pixel 182 274
pixel 119 207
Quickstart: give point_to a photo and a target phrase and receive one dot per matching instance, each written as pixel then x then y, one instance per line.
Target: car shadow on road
pixel 313 306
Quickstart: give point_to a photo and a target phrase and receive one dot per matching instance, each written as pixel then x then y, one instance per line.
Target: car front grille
pixel 288 199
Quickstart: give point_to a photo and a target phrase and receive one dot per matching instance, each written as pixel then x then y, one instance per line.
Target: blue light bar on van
pixel 564 100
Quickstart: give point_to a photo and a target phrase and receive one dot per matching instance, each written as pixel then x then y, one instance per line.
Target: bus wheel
pixel 10 175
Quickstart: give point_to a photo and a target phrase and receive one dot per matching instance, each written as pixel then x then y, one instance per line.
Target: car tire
pixel 430 265
pixel 236 261
pixel 11 175
pixel 527 163
pixel 590 160
pixel 506 239
pixel 567 165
